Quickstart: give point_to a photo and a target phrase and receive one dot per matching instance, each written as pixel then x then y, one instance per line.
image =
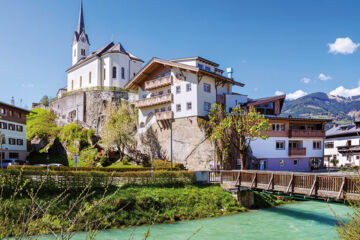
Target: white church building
pixel 109 66
pixel 93 80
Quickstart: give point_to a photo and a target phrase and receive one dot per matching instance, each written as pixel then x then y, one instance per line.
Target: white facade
pixel 343 159
pixel 14 134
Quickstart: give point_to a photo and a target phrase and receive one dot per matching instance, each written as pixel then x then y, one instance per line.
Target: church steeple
pixel 80 40
pixel 81 25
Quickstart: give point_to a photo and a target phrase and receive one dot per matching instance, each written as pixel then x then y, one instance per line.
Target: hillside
pixel 321 105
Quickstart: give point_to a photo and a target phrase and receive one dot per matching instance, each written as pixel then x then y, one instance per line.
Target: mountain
pixel 321 105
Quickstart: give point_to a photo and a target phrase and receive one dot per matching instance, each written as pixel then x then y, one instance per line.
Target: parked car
pixel 40 165
pixel 11 162
pixel 55 165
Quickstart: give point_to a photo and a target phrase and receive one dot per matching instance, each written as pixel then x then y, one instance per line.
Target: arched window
pixel 72 84
pixel 123 73
pixel 114 72
pixel 104 74
pixel 89 77
pixel 80 81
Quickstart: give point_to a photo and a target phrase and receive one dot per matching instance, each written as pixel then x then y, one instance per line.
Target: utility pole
pixel 171 145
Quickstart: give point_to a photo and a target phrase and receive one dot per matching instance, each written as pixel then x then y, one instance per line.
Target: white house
pixel 109 66
pixel 342 146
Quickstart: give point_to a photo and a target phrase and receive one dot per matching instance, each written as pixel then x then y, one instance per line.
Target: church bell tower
pixel 80 44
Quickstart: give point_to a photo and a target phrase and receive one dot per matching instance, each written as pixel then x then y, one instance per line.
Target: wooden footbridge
pixel 339 186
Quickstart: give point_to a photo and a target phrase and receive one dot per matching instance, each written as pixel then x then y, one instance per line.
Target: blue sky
pixel 273 46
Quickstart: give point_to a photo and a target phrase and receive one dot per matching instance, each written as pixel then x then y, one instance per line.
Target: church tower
pixel 80 44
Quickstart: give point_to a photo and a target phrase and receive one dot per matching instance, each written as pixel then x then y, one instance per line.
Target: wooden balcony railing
pixel 158 83
pixel 297 151
pixel 153 101
pixel 306 133
pixel 164 115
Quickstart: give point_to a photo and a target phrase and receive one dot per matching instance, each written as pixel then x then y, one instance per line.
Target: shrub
pixel 41 124
pixel 162 164
pixel 41 158
pixel 74 136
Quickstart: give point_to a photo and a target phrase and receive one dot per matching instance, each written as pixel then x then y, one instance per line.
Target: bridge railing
pixel 323 185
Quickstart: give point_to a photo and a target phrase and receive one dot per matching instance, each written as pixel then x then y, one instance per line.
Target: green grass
pixel 121 165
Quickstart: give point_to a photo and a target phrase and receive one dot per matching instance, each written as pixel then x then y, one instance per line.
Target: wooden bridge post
pixel 271 182
pixel 290 183
pixel 253 181
pixel 342 188
pixel 313 187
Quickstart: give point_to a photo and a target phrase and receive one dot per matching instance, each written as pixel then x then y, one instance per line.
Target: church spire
pixel 81 26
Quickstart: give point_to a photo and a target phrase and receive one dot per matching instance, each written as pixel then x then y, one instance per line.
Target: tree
pixel 119 128
pixel 45 100
pixel 237 128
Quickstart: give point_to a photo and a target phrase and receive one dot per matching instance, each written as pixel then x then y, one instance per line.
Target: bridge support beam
pixel 245 198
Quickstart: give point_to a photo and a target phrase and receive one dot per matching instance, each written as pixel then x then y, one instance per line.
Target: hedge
pixel 58 180
pixel 97 169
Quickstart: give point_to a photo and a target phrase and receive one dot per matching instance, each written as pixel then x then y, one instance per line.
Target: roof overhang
pixel 155 63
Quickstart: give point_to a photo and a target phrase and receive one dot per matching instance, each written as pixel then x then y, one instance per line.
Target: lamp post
pixel 2 136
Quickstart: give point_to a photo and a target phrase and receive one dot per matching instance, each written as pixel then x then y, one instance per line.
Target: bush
pixel 41 158
pixel 85 169
pixel 162 164
pixel 41 124
pixel 74 137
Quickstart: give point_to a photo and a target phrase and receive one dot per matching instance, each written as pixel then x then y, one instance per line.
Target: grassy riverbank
pixel 132 205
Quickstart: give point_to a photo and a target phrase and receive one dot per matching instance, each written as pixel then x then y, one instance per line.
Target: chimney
pixel 230 72
pixel 12 101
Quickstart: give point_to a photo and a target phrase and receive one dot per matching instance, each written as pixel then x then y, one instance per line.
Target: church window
pixel 83 52
pixel 89 77
pixel 72 84
pixel 80 81
pixel 123 73
pixel 104 73
pixel 114 72
pixel 74 52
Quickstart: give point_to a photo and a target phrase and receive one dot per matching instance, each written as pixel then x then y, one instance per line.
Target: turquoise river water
pixel 299 221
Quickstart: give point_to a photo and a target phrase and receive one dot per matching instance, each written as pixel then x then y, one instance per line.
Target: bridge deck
pixel 340 186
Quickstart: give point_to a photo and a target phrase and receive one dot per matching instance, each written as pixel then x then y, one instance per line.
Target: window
pixel 2 111
pixel 20 142
pixel 163 109
pixel 83 52
pixel 188 87
pixel 207 87
pixel 3 140
pixel 329 144
pixel 19 128
pixel 12 141
pixel 200 66
pixel 281 163
pixel 11 113
pixel 104 74
pixel 74 52
pixel 122 73
pixel 295 162
pixel 3 125
pixel 12 127
pixel 161 93
pixel 80 81
pixel 156 110
pixel 169 91
pixel 14 155
pixel 317 145
pixel 19 115
pixel 278 127
pixel 89 77
pixel 178 107
pixel 169 108
pixel 178 89
pixel 72 84
pixel 2 155
pixel 207 68
pixel 207 106
pixel 188 106
pixel 114 72
pixel 280 145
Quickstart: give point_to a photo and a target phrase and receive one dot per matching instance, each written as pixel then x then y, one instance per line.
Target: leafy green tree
pixel 41 123
pixel 74 137
pixel 45 100
pixel 238 128
pixel 119 128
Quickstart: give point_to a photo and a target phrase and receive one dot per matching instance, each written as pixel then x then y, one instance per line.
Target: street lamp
pixel 2 136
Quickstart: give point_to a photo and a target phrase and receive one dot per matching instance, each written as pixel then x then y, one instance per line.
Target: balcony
pixel 297 151
pixel 293 133
pixel 153 101
pixel 158 83
pixel 164 115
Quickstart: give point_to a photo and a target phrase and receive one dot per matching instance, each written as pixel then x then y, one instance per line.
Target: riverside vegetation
pixel 31 207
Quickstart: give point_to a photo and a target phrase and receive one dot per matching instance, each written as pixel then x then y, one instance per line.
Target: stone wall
pixel 190 145
pixel 86 107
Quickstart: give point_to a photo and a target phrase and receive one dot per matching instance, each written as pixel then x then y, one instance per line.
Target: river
pixel 298 221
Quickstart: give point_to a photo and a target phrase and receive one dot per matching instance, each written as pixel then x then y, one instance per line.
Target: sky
pixel 275 47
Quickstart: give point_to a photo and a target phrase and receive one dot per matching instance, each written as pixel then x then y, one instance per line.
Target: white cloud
pixel 278 93
pixel 324 77
pixel 344 92
pixel 295 95
pixel 305 80
pixel 343 46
